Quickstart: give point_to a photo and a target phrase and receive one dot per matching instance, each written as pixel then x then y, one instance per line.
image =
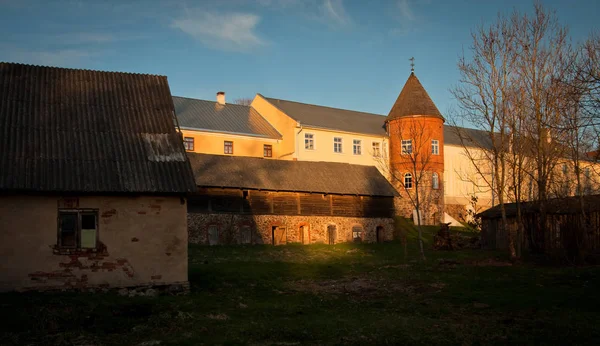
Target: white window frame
pixel 341 145
pixel 311 141
pixel 357 143
pixel 376 147
pixel 435 181
pixel 435 147
pixel 407 147
pixel 408 183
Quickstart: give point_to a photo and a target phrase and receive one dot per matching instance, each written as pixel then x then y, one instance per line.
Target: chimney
pixel 221 97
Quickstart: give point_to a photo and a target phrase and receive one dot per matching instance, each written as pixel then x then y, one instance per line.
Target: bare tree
pixel 244 101
pixel 414 172
pixel 484 98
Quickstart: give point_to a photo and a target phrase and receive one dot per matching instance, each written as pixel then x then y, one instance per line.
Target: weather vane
pixel 412 64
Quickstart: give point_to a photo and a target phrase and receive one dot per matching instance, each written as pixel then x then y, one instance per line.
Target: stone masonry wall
pixel 230 226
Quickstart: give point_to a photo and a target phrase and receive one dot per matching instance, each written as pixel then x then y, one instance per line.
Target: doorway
pixel 279 235
pixel 379 234
pixel 305 234
pixel 331 234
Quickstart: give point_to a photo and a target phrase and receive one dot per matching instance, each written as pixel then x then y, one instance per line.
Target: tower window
pixel 408 181
pixel 406 146
pixel 435 147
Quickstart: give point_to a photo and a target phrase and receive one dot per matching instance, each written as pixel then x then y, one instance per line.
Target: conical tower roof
pixel 413 100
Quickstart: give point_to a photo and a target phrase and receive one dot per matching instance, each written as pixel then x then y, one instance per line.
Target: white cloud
pixel 77 38
pixel 406 16
pixel 334 11
pixel 406 12
pixel 226 31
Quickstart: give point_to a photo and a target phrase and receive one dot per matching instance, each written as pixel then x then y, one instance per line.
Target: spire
pixel 413 100
pixel 412 65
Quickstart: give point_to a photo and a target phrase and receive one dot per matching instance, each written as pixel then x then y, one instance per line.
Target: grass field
pixel 318 294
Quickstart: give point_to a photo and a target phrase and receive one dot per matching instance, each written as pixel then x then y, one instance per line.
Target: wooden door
pixel 379 234
pixel 279 236
pixel 305 235
pixel 331 230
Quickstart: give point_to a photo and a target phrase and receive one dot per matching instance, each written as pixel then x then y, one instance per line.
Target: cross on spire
pixel 412 64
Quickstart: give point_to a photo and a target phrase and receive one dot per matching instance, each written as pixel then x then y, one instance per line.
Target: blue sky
pixel 349 54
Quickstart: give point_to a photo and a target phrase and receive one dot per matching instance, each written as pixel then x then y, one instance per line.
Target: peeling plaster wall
pixel 229 226
pixel 143 240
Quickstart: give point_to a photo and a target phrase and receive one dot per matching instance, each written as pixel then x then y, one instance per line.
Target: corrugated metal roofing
pixel 88 131
pixel 413 100
pixel 332 118
pixel 279 175
pixel 228 118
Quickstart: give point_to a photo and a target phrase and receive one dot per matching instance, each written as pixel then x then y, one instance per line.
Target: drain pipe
pixel 297 141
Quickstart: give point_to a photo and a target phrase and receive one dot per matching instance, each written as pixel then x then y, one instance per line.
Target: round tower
pixel 416 130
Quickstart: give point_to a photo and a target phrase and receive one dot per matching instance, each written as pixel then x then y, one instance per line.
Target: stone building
pixel 245 200
pixel 93 179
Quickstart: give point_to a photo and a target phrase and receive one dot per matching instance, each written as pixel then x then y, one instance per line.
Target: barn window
pixel 357 234
pixel 78 229
pixel 435 181
pixel 408 181
pixel 246 234
pixel 213 235
pixel 188 143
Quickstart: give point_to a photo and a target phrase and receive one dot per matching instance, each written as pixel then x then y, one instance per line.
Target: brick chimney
pixel 221 97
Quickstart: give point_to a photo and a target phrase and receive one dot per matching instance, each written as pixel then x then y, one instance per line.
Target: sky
pixel 351 54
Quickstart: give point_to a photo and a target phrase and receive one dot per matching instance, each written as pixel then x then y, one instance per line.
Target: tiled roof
pixel 229 118
pixel 88 131
pixel 332 118
pixel 279 175
pixel 413 100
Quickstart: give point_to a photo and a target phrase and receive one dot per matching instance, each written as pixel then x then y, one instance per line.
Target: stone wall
pixel 432 201
pixel 142 240
pixel 230 228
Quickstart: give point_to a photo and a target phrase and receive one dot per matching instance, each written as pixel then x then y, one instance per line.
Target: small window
pixel 78 229
pixel 357 147
pixel 228 147
pixel 213 235
pixel 406 146
pixel 376 149
pixel 435 181
pixel 357 234
pixel 337 145
pixel 435 147
pixel 268 150
pixel 309 141
pixel 188 143
pixel 408 181
pixel 246 234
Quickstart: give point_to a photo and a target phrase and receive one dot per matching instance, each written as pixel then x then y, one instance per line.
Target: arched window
pixel 435 181
pixel 357 234
pixel 408 181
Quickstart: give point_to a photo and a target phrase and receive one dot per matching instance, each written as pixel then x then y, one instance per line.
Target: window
pixel 268 150
pixel 408 181
pixel 357 147
pixel 435 147
pixel 376 149
pixel 337 145
pixel 188 143
pixel 246 234
pixel 228 149
pixel 309 141
pixel 435 181
pixel 77 229
pixel 357 234
pixel 406 146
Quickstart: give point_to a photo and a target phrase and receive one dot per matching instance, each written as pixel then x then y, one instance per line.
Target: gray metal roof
pixel 210 116
pixel 332 118
pixel 67 130
pixel 281 175
pixel 454 135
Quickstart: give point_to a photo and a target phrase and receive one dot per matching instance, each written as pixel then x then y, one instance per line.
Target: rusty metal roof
pixel 413 100
pixel 194 114
pixel 68 130
pixel 281 175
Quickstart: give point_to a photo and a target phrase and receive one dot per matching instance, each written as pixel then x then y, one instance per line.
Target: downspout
pixel 297 142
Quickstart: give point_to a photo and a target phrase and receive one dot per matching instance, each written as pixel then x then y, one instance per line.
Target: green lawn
pixel 319 294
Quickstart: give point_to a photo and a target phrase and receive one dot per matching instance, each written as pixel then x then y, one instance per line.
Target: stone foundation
pixel 261 228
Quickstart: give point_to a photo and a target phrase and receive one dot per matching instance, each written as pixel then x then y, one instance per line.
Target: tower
pixel 416 130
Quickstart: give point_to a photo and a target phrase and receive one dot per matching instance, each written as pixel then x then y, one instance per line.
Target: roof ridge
pixel 312 104
pixel 195 99
pixel 80 69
